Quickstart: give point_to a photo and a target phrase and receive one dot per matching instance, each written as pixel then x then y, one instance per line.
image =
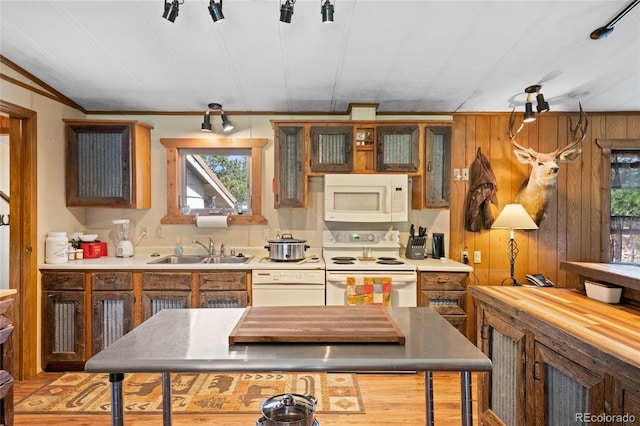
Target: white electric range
pixel 367 254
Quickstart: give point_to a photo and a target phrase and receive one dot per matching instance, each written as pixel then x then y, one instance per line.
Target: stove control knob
pixel 370 237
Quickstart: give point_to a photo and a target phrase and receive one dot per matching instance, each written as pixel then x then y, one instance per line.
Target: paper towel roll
pixel 213 221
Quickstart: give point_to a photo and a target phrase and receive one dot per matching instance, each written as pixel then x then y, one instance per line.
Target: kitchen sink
pixel 227 259
pixel 186 259
pixel 173 259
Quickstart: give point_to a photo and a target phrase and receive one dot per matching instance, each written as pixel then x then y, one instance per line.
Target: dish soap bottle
pixel 178 250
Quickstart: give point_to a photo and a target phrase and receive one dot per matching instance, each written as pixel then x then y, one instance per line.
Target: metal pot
pixel 286 248
pixel 288 409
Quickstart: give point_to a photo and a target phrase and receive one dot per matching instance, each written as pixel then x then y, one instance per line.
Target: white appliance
pixel 366 197
pixel 367 254
pixel 287 287
pixel 124 246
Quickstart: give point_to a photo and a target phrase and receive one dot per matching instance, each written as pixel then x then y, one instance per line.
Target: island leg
pixel 117 412
pixel 428 394
pixel 166 399
pixel 466 398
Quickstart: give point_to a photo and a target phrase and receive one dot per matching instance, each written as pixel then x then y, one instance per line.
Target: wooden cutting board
pixel 316 324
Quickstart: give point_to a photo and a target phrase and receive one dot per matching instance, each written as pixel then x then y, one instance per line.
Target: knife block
pixel 415 248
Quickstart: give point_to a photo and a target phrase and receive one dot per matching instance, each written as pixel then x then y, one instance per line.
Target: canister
pixel 56 247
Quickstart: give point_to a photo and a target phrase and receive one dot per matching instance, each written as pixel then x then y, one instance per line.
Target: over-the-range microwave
pixel 366 198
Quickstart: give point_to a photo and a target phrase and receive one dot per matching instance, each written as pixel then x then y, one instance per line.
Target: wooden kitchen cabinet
pixel 108 164
pixel 551 365
pixel 165 290
pixel 63 322
pixel 437 169
pixel 332 149
pixel 224 289
pixel 290 179
pixel 112 300
pixel 398 148
pixel 446 293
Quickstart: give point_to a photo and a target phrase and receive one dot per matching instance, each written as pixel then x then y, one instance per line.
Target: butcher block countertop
pixel 316 324
pixel 604 330
pixel 622 275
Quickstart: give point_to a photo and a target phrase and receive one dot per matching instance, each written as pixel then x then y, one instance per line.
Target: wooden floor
pixel 389 399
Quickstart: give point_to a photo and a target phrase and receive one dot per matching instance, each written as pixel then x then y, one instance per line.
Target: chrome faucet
pixel 210 250
pixel 222 249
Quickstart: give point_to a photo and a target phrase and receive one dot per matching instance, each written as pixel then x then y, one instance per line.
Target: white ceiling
pixel 407 56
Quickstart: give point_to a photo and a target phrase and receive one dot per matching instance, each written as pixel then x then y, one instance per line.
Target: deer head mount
pixel 540 186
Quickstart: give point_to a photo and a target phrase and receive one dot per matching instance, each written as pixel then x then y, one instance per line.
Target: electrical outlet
pixel 465 174
pixel 144 230
pixel 464 257
pixel 265 233
pixel 477 257
pixel 159 231
pixel 456 174
pixel 278 232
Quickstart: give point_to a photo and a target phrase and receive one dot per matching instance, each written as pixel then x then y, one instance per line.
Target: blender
pixel 124 247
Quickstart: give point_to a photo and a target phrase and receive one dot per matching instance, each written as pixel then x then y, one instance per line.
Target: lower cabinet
pixel 112 303
pixel 165 290
pixel 63 321
pixel 544 375
pixel 446 293
pixel 120 300
pixel 223 289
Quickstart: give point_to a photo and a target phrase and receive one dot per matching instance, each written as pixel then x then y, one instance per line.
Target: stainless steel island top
pixel 196 340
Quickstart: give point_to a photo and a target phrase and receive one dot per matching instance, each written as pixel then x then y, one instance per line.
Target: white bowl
pixel 88 238
pixel 603 292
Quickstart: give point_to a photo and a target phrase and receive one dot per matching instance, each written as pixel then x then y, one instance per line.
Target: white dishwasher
pixel 272 287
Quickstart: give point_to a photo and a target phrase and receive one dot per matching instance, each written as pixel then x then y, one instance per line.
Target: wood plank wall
pixel 571 230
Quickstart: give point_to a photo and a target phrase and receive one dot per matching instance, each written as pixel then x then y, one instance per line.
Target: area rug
pixel 193 393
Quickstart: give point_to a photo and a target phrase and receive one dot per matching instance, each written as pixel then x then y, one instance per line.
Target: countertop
pixel 611 330
pixel 619 274
pixel 142 257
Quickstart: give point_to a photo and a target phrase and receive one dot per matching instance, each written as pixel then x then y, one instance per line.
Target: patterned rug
pixel 193 393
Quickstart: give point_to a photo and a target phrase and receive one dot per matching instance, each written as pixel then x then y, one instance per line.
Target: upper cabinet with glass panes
pixel 421 149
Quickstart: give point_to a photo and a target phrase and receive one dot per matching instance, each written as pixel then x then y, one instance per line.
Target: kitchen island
pixel 196 340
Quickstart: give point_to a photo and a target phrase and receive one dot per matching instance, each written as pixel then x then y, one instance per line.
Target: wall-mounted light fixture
pixel 206 124
pixel 215 10
pixel 171 10
pixel 326 10
pixel 542 105
pixel 286 11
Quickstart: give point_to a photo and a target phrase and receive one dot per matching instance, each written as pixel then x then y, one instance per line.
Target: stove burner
pixel 386 258
pixel 342 262
pixel 390 262
pixel 343 259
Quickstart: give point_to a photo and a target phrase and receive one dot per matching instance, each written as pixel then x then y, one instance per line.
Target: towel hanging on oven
pixel 369 291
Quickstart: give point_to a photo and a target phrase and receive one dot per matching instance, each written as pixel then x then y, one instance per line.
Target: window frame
pixel 608 145
pixel 175 170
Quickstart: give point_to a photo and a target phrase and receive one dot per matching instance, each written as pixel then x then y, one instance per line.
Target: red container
pixel 103 248
pixel 91 250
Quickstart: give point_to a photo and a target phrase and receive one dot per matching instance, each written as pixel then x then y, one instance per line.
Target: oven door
pixel 403 286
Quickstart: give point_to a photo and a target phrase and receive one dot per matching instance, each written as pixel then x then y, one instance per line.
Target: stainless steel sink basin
pixel 186 259
pixel 177 260
pixel 226 259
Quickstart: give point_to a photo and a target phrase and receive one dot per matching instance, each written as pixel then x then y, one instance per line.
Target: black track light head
pixel 215 10
pixel 171 10
pixel 286 11
pixel 326 10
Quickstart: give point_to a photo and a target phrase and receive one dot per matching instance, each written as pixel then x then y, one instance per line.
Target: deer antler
pixel 578 132
pixel 513 134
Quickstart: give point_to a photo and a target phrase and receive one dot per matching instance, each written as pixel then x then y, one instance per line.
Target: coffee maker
pixel 122 230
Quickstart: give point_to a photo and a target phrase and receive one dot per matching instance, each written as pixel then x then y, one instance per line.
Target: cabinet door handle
pixel 429 166
pixel 442 280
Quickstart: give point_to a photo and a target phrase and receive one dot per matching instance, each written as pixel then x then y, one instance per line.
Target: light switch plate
pixel 465 174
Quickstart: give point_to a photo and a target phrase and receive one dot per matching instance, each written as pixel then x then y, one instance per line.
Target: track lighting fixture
pixel 603 32
pixel 171 10
pixel 286 11
pixel 326 10
pixel 215 10
pixel 542 105
pixel 206 124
